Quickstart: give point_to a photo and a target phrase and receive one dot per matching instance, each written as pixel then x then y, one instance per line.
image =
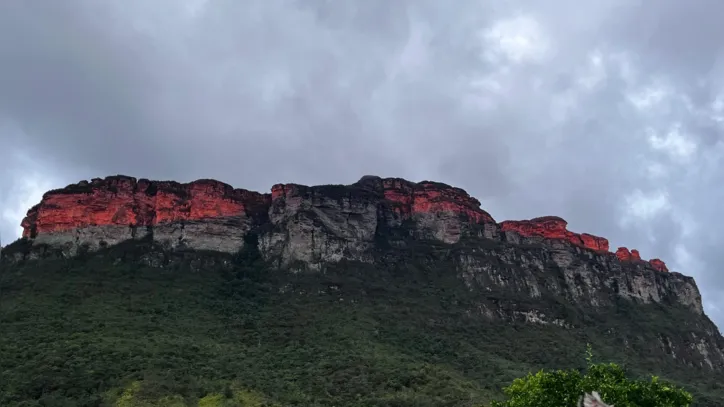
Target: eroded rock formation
pixel 428 197
pixel 203 214
pixel 553 227
pixel 624 254
pixel 211 215
pixel 659 265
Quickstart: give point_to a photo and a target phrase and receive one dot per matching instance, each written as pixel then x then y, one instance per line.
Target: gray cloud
pixel 608 114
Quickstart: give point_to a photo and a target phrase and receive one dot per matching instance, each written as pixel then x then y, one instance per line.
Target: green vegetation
pixel 106 329
pixel 565 387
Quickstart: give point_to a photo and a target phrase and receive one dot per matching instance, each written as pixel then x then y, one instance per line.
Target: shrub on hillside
pixel 565 388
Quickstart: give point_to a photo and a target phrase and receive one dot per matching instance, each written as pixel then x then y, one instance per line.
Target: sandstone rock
pixel 325 223
pixel 297 223
pixel 314 225
pixel 553 227
pixel 658 265
pixel 427 197
pixel 204 214
pixel 624 254
pixel 440 211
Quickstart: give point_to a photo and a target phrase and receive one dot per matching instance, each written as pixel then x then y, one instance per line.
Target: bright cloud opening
pixel 519 39
pixel 674 142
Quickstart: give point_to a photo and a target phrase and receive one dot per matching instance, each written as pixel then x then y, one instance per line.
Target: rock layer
pixel 624 254
pixel 325 223
pixel 308 224
pixel 659 265
pixel 203 214
pixel 300 226
pixel 410 199
pixel 553 227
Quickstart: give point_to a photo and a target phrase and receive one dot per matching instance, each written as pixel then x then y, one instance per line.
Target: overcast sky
pixel 608 113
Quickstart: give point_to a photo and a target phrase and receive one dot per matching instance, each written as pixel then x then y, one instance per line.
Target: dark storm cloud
pixel 76 91
pixel 604 113
pixel 186 98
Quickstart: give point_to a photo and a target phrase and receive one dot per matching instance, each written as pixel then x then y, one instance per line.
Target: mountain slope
pixel 380 293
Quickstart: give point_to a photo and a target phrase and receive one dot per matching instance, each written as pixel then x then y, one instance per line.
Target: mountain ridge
pixel 169 201
pixel 307 228
pixel 417 271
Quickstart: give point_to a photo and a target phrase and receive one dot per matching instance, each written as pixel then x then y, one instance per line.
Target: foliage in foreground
pixel 564 388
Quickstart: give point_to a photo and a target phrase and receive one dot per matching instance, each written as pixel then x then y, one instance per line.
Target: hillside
pixel 381 293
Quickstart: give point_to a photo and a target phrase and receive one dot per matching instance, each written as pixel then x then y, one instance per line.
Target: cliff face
pixel 327 223
pixel 204 214
pixel 306 227
pixel 553 227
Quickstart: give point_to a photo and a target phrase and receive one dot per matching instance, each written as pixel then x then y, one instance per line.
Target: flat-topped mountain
pixel 389 241
pixel 208 214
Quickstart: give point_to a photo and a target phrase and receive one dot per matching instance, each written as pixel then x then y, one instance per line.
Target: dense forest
pixel 121 327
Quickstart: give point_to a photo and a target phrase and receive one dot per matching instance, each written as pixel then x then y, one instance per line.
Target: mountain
pixel 382 292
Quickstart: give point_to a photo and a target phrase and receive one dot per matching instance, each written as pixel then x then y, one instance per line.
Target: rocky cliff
pixel 307 227
pixel 204 214
pixel 211 215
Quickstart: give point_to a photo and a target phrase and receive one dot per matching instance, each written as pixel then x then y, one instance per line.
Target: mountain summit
pixel 211 215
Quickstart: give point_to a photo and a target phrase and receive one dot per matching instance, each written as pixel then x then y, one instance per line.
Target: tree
pixel 565 388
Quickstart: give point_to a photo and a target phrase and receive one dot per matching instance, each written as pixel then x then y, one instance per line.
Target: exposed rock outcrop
pixel 330 222
pixel 204 214
pixel 309 224
pixel 658 265
pixel 302 226
pixel 624 254
pixel 553 227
